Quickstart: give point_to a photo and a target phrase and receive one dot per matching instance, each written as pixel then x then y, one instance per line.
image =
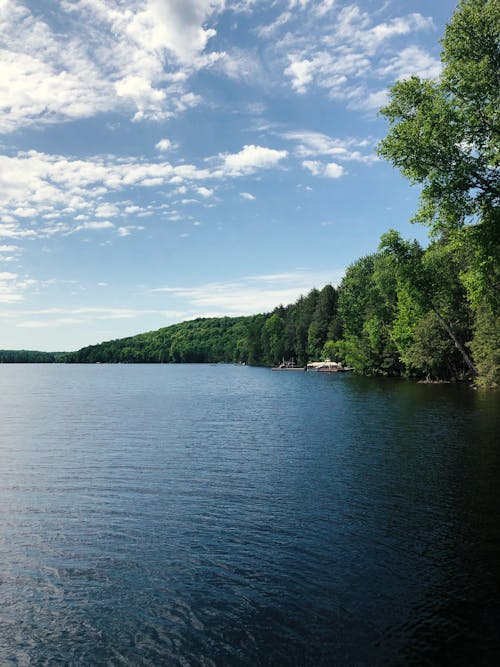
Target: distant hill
pixel 297 331
pixel 224 339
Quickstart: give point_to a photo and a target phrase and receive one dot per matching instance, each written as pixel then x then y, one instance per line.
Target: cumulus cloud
pixel 164 145
pixel 247 196
pixel 175 25
pixel 329 170
pixel 97 225
pixel 128 229
pixel 251 158
pixel 205 192
pixel 333 170
pixel 106 210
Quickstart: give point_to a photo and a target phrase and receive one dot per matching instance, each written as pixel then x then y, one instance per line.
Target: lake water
pixel 225 515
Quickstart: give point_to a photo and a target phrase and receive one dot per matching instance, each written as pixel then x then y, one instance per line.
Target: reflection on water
pixel 201 515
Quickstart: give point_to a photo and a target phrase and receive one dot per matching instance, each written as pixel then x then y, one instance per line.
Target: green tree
pixel 366 309
pixel 324 314
pixel 428 282
pixel 445 135
pixel 272 339
pixel 432 352
pixel 486 345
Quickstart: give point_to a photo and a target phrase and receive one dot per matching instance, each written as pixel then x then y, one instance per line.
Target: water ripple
pixel 200 515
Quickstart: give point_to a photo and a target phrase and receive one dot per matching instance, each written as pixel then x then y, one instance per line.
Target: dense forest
pixel 299 330
pixel 29 357
pixel 404 310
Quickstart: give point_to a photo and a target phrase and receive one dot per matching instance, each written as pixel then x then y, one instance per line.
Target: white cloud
pixel 241 65
pixel 111 57
pixel 164 145
pixel 344 55
pixel 105 224
pixel 107 211
pixel 128 229
pixel 205 192
pixel 397 26
pixel 323 7
pixel 312 144
pixel 12 288
pixel 330 170
pixel 247 195
pixel 176 26
pixel 252 294
pixel 251 158
pixel 370 101
pixel 314 166
pixel 56 317
pixel 269 29
pixel 41 324
pixel 412 61
pixel 37 187
pixel 301 72
pixel 9 248
pixel 132 209
pixel 333 170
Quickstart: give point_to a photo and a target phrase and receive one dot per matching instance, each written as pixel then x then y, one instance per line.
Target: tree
pixel 324 314
pixel 486 345
pixel 445 135
pixel 366 309
pixel 429 282
pixel 432 351
pixel 272 339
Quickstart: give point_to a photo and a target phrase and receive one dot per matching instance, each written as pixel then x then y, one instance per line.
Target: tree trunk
pixel 458 345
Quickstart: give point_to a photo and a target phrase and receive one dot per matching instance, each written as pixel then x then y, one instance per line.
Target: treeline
pixel 29 357
pixel 403 311
pixel 297 331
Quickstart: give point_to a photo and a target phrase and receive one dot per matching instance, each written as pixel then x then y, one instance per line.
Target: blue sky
pixel 167 159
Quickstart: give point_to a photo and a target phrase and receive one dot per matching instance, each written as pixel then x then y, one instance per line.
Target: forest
pixel 29 357
pixel 404 310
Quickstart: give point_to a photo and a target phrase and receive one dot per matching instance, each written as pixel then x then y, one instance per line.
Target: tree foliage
pixel 29 357
pixel 445 134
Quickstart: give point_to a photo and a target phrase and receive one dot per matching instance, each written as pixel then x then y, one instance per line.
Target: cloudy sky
pixel 165 159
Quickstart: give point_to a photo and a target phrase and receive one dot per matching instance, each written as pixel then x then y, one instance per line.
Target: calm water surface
pixel 223 515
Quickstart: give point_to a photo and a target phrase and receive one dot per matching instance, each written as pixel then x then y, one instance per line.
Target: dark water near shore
pixel 220 515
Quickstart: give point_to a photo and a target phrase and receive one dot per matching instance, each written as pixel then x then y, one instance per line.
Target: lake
pixel 227 515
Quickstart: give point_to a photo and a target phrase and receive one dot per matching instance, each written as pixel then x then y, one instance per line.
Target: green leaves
pixel 445 135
